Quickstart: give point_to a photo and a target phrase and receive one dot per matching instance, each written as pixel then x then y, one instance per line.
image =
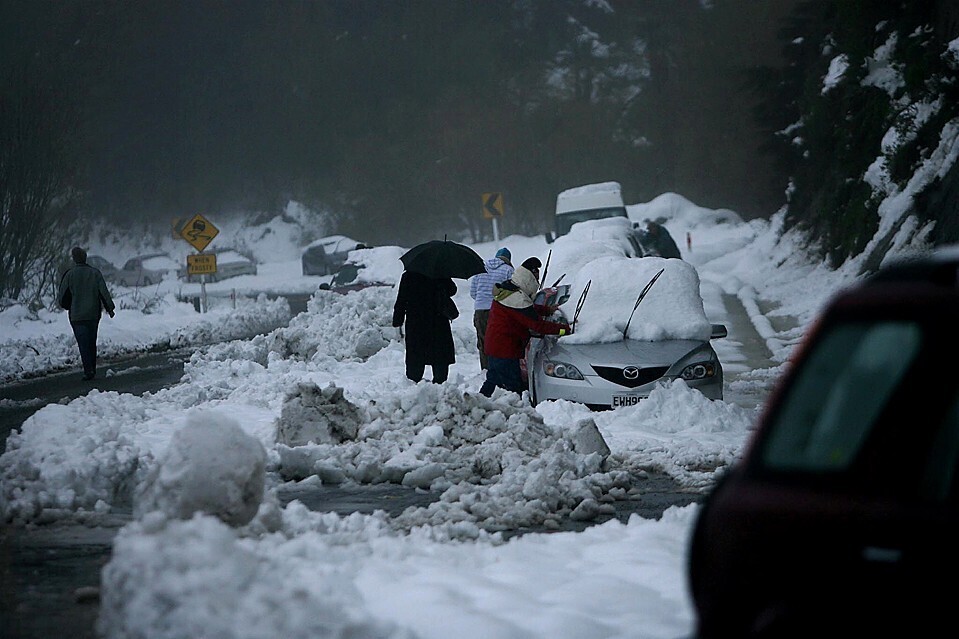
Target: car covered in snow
pixel 637 322
pixel 365 267
pixel 623 352
pixel 146 270
pixel 105 266
pixel 325 255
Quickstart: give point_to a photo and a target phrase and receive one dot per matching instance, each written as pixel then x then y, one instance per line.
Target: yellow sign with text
pixel 203 264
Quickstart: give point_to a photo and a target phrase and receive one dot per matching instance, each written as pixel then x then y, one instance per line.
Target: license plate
pixel 625 400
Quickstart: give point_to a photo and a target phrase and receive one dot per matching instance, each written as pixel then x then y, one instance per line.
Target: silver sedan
pixel 622 373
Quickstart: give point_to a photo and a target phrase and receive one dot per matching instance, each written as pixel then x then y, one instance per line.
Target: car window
pixel 838 394
pixel 565 221
pixel 346 274
pixel 939 477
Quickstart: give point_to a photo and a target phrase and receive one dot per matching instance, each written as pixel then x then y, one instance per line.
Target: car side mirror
pixel 324 286
pixel 719 330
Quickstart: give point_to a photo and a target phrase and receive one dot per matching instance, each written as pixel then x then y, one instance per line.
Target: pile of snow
pixel 211 466
pixel 379 264
pixel 44 341
pixel 496 460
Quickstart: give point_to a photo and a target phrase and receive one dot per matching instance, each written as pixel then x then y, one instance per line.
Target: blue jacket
pixel 481 286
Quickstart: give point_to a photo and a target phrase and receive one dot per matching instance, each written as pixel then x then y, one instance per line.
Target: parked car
pixel 623 370
pixel 842 516
pixel 373 266
pixel 654 240
pixel 588 202
pixel 105 266
pixel 229 263
pixel 145 270
pixel 325 255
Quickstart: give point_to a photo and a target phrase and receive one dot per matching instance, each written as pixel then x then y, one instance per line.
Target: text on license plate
pixel 625 400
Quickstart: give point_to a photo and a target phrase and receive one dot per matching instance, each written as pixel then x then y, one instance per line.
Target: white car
pixel 644 328
pixel 327 254
pixel 145 270
pixel 105 266
pixel 373 266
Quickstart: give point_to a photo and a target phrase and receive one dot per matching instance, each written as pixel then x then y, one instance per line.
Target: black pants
pixel 86 333
pixel 505 373
pixel 440 372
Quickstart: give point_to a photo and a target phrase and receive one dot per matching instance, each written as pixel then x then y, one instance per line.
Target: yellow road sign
pixel 199 232
pixel 201 264
pixel 492 205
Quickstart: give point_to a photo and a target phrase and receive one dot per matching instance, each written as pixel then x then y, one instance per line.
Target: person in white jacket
pixel 498 269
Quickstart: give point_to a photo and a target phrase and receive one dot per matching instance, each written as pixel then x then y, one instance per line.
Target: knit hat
pixel 532 263
pixel 504 254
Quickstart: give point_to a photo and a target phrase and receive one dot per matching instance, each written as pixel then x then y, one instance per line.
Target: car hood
pixel 624 352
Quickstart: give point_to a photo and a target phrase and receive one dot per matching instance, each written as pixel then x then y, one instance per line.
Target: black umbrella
pixel 442 258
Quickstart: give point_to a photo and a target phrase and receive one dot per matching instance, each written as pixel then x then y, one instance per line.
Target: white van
pixel 589 202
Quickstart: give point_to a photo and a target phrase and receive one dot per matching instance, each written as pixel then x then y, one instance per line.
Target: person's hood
pixel 495 264
pixel 518 291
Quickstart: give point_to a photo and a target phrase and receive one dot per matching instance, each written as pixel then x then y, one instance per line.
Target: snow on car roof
pixel 672 309
pixel 380 264
pixel 587 241
pixel 331 240
pixel 159 262
pixel 590 189
pixel 230 256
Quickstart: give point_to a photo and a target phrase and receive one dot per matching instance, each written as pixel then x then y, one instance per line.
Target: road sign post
pixel 493 210
pixel 199 232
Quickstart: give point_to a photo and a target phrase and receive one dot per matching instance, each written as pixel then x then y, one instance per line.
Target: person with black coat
pixel 83 292
pixel 425 305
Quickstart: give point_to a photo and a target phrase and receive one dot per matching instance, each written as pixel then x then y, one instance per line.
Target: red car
pixel 842 517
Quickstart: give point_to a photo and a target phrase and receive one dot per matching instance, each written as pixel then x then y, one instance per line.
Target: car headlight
pixel 562 370
pixel 701 370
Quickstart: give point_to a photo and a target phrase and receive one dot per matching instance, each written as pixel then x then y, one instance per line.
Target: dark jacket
pixel 84 293
pixel 429 338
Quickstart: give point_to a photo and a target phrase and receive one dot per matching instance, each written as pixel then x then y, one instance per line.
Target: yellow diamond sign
pixel 199 232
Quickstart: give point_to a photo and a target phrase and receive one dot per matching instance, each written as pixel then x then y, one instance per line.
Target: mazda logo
pixel 630 372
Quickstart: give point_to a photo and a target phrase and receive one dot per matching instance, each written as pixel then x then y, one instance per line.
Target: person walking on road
pixel 511 319
pixel 424 304
pixel 83 292
pixel 499 269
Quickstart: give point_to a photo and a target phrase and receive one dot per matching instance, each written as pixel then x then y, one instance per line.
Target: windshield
pixel 346 275
pixel 839 394
pixel 565 221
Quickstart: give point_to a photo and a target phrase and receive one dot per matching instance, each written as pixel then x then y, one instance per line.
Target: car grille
pixel 643 376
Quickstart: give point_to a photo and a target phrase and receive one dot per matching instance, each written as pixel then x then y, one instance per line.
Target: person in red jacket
pixel 511 319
